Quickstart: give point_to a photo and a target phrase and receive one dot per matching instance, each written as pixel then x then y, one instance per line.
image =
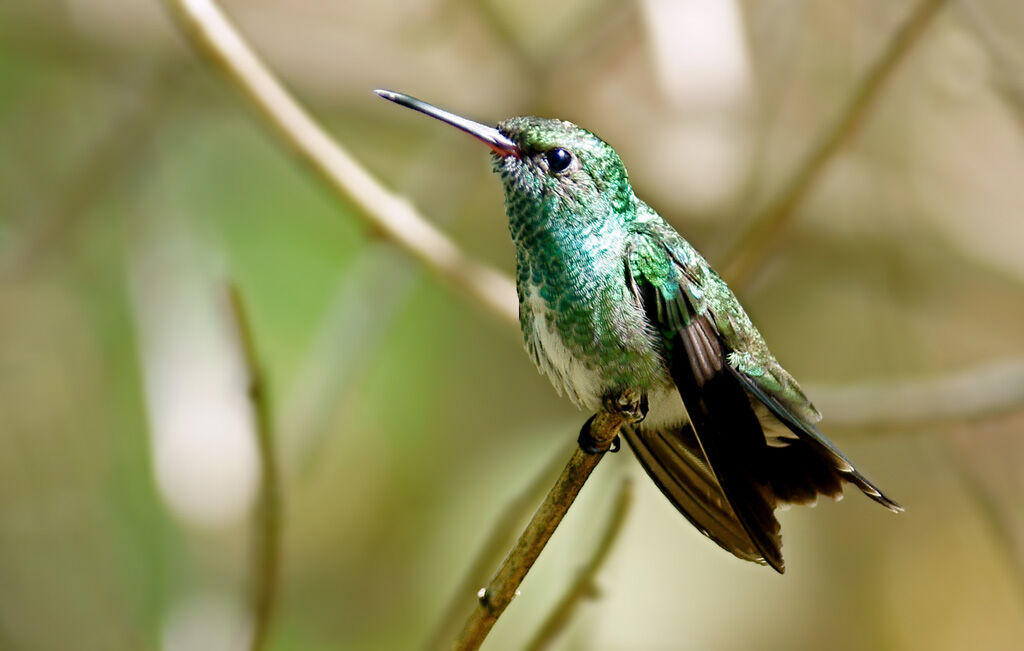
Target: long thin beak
pixel 490 136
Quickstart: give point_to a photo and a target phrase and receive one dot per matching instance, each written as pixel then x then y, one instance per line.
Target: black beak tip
pixel 408 101
pixel 497 141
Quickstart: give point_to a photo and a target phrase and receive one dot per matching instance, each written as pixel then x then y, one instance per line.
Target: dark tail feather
pixel 800 471
pixel 797 474
pixel 727 432
pixel 732 440
pixel 868 488
pixel 813 440
pixel 673 459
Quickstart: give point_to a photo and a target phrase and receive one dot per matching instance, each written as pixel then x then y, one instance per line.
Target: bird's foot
pixel 622 407
pixel 591 445
pixel 628 403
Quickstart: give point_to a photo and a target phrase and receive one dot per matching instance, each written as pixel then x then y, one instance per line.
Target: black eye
pixel 558 159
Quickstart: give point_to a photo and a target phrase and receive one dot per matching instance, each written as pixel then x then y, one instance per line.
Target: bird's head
pixel 552 170
pixel 562 167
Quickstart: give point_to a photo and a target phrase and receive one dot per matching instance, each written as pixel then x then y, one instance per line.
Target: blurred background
pixel 136 181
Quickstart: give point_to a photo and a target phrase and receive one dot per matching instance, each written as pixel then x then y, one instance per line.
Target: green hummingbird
pixel 612 299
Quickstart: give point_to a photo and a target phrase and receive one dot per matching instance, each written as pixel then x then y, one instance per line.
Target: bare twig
pixel 126 133
pixel 577 38
pixel 392 216
pixel 992 514
pixel 583 587
pixel 1005 78
pixel 211 31
pixel 266 559
pixel 503 587
pixel 981 392
pixel 766 226
pixel 398 222
pixel 501 536
pixel 504 33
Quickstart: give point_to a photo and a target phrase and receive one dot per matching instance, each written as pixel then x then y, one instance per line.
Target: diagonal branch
pixel 766 227
pixel 396 220
pixel 386 213
pixel 493 599
pixel 583 587
pixel 499 539
pixel 126 133
pixel 993 515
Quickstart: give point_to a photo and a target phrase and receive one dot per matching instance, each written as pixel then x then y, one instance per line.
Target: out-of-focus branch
pixel 584 587
pixel 266 561
pixel 493 599
pixel 981 392
pixel 396 220
pixel 126 133
pixel 392 216
pixel 990 511
pixel 505 34
pixel 766 226
pixel 582 31
pixel 1005 78
pixel 389 215
pixel 499 539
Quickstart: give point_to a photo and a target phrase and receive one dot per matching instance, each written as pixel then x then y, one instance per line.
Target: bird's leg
pixel 627 405
pixel 626 402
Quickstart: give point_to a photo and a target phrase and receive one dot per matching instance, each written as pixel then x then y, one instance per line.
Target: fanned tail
pixel 673 459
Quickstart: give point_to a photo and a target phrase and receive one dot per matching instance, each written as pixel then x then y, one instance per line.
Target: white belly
pixel 569 374
pixel 581 382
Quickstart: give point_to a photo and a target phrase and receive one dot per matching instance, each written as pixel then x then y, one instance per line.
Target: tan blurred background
pixel 134 180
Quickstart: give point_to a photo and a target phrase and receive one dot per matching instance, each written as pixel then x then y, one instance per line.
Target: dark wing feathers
pixel 812 437
pixel 797 474
pixel 722 474
pixel 728 432
pixel 728 435
pixel 798 425
pixel 678 469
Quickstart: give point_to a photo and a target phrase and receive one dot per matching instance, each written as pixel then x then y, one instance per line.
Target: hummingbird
pixel 613 301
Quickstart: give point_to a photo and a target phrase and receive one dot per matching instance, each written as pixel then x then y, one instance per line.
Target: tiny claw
pixel 586 440
pixel 616 444
pixel 643 408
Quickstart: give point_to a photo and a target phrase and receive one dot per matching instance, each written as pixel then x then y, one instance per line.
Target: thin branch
pixel 982 392
pixel 1005 78
pixel 210 31
pixel 504 33
pixel 392 216
pixel 266 561
pixel 766 226
pixel 501 536
pixel 992 514
pixel 584 586
pixel 126 133
pixel 579 33
pixel 493 599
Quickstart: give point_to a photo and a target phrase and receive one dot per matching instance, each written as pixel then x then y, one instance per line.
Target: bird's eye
pixel 558 159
